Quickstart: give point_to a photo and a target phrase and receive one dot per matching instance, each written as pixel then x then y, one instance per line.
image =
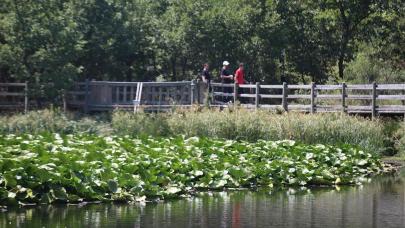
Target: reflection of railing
pixel 13 96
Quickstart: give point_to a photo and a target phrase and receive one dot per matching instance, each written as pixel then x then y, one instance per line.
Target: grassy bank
pixel 332 129
pixel 51 167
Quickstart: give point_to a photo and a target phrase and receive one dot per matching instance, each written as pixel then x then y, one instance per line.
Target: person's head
pixel 241 66
pixel 206 66
pixel 225 64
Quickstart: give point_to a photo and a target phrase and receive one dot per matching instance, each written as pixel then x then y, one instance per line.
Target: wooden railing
pixel 366 98
pixel 105 95
pixel 14 96
pixel 311 98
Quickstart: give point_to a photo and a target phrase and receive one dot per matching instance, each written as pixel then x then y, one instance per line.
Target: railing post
pixel 403 102
pixel 124 95
pixel 235 93
pixel 374 102
pixel 344 94
pixel 257 98
pixel 192 85
pixel 198 91
pixel 285 95
pixel 86 98
pixel 313 105
pixel 26 97
pixel 117 93
pixel 64 100
pixel 206 95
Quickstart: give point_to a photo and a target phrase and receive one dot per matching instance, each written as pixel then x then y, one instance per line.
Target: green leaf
pixel 46 198
pixel 11 195
pixel 112 186
pixel 173 190
pixel 59 193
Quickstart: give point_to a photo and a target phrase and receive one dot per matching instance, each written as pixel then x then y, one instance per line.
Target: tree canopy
pixel 61 41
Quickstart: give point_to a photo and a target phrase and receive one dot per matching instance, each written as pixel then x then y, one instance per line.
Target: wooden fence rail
pixel 105 95
pixel 14 96
pixel 310 98
pixel 359 98
pixel 372 98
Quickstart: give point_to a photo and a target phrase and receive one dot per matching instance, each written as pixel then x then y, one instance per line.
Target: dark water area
pixel 380 203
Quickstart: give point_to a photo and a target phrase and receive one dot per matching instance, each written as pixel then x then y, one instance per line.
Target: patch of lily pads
pixel 52 168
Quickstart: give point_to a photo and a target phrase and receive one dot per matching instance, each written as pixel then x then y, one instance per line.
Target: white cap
pixel 225 63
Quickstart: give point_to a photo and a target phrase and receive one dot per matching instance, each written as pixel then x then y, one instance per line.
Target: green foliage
pixel 366 68
pixel 52 43
pixel 39 43
pixel 46 168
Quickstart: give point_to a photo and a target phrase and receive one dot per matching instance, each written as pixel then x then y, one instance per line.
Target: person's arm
pixel 204 79
pixel 224 76
pixel 205 76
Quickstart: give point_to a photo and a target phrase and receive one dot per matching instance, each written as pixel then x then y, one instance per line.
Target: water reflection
pixel 380 203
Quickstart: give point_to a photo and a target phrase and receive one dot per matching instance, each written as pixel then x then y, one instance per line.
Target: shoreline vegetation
pixel 48 156
pixel 380 136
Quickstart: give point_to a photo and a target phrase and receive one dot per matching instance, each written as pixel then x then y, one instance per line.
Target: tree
pixel 39 44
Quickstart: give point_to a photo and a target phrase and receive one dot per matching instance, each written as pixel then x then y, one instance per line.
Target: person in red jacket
pixel 240 75
pixel 240 79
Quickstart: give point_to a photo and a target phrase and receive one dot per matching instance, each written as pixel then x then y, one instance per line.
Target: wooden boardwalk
pixel 365 98
pixel 373 99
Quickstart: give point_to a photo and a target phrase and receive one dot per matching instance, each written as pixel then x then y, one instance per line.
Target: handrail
pixel 6 94
pixel 296 96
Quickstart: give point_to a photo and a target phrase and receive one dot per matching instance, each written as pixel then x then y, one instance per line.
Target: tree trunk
pixel 341 66
pixel 342 53
pixel 174 73
pixel 183 67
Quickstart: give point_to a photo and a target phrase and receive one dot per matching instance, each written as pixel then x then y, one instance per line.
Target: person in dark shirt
pixel 206 77
pixel 226 78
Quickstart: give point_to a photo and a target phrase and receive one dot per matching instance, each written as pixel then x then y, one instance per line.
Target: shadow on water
pixel 380 203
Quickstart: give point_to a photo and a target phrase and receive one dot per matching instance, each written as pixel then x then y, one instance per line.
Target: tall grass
pixel 253 125
pixel 247 125
pixel 236 124
pixel 399 139
pixel 35 122
pixel 140 124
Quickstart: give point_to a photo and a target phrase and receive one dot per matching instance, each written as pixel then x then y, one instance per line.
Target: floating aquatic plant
pixel 50 168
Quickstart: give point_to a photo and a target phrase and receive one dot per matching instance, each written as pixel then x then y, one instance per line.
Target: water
pixel 380 203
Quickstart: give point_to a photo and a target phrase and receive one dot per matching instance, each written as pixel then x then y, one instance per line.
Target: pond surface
pixel 380 203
